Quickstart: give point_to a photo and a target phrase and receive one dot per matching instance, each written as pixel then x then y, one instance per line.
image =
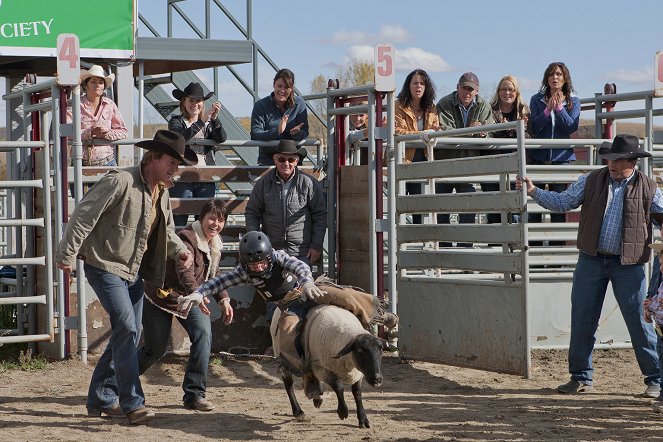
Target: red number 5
pixel 385 61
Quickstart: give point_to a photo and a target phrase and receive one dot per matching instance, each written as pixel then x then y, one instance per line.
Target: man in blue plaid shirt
pixel 618 203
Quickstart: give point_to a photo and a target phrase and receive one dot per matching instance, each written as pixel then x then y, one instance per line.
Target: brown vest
pixel 636 220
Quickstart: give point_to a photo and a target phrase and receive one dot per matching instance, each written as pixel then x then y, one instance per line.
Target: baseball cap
pixel 469 79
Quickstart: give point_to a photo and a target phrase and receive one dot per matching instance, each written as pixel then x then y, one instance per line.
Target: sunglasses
pixel 290 160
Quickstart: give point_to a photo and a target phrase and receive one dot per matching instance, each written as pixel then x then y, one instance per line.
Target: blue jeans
pixel 115 378
pixel 156 333
pixel 190 190
pixel 590 281
pixel 651 291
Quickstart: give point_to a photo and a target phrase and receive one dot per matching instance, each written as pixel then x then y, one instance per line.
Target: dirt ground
pixel 418 401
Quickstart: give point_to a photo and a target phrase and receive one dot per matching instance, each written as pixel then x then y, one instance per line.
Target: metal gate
pixel 463 306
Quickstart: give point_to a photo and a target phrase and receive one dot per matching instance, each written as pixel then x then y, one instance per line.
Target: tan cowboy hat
pixel 97 71
pixel 658 246
pixel 170 143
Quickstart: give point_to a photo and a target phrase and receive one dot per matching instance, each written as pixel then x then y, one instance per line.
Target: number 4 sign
pixel 385 73
pixel 69 61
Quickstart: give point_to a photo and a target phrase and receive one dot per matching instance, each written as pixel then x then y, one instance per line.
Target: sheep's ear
pixel 347 349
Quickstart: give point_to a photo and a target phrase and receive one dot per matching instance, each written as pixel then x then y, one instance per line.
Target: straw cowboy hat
pixel 623 147
pixel 193 90
pixel 170 143
pixel 97 71
pixel 658 246
pixel 289 147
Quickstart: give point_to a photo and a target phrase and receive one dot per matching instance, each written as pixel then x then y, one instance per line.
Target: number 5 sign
pixel 385 73
pixel 69 61
pixel 658 70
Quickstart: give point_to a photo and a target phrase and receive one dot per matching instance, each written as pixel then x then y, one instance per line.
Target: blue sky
pixel 606 41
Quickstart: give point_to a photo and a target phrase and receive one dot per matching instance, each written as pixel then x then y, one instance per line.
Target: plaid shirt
pixel 240 276
pixel 610 240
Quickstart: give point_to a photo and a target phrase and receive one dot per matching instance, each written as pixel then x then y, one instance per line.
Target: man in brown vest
pixel 617 202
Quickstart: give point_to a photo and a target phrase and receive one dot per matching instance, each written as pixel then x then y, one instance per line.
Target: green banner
pixel 105 28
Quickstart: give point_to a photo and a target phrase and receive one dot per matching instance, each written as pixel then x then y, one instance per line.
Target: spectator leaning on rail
pixel 196 122
pixel 459 109
pixel 507 105
pixel 653 312
pixel 555 113
pixel 289 206
pixel 100 118
pixel 617 201
pixel 358 131
pixel 281 115
pixel 416 112
pixel 203 239
pixel 123 230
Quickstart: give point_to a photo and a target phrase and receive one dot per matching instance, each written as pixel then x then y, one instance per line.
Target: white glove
pixel 311 291
pixel 186 303
pixel 426 139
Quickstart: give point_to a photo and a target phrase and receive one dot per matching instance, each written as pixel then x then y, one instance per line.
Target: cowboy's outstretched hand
pixel 527 182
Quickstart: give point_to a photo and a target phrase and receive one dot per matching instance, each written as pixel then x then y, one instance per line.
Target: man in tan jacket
pixel 123 230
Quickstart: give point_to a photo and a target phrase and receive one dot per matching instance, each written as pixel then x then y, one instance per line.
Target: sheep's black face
pixel 367 357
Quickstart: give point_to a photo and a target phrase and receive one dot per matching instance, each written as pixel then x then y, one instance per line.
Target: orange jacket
pixel 406 123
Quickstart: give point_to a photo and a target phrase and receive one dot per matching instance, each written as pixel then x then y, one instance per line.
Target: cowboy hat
pixel 97 71
pixel 289 147
pixel 193 90
pixel 170 143
pixel 623 147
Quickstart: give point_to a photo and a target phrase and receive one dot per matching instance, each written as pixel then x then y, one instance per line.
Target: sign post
pixel 658 71
pixel 385 71
pixel 69 60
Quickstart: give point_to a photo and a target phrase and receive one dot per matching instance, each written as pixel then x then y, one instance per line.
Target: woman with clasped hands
pixel 281 115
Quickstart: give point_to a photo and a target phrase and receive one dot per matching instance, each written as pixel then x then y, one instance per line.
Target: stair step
pixel 166 79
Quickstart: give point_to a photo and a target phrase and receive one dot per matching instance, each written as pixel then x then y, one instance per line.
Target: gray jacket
pixel 303 223
pixel 109 229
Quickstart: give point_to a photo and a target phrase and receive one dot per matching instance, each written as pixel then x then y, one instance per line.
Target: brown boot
pixel 312 386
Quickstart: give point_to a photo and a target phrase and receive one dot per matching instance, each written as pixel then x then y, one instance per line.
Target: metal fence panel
pixel 471 326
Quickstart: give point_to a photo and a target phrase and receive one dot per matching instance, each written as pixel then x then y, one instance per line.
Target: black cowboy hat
pixel 170 143
pixel 623 147
pixel 289 147
pixel 193 90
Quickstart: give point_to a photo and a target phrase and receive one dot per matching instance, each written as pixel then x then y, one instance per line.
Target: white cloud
pixel 406 59
pixel 386 34
pixel 413 58
pixel 635 76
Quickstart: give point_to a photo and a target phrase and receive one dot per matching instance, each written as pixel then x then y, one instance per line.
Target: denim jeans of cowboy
pixel 156 334
pixel 590 281
pixel 115 378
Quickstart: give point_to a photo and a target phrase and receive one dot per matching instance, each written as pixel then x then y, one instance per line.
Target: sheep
pixel 340 351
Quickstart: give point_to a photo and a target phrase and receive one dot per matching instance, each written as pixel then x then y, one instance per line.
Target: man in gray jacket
pixel 123 230
pixel 289 206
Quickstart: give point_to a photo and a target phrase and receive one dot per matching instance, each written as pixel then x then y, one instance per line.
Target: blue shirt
pixel 465 112
pixel 559 124
pixel 266 117
pixel 610 239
